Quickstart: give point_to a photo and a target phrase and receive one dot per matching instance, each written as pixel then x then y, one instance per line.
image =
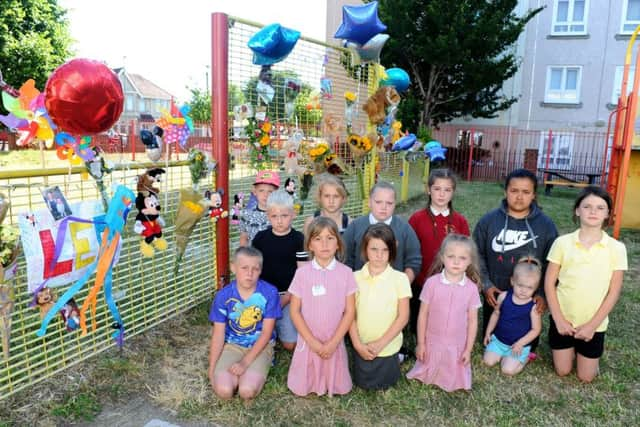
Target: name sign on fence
pixel 39 232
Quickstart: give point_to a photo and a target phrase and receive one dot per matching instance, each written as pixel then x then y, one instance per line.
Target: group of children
pixel 371 276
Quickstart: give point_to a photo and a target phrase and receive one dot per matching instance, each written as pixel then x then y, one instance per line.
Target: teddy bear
pixel 215 204
pixel 377 104
pixel 238 205
pixel 149 223
pixel 291 157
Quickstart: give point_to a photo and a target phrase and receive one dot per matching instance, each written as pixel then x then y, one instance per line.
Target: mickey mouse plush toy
pixel 149 223
pixel 215 204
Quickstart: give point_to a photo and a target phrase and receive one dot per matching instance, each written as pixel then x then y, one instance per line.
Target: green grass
pixel 168 365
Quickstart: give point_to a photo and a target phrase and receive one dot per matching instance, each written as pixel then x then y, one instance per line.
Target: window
pixel 561 153
pixel 569 17
pixel 141 107
pixel 630 15
pixel 563 84
pixel 617 83
pixel 129 103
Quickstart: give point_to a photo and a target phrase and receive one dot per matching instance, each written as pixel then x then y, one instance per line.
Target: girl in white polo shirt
pixel 588 266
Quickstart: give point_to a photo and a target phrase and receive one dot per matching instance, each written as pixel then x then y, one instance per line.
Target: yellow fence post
pixel 404 182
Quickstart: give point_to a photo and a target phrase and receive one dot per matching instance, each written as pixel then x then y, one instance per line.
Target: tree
pixel 458 54
pixel 34 40
pixel 200 102
pixel 276 110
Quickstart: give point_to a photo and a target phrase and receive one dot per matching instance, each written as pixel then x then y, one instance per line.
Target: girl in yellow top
pixel 382 311
pixel 588 266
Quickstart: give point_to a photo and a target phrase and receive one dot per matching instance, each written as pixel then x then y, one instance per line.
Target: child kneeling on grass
pixel 244 315
pixel 382 310
pixel 515 321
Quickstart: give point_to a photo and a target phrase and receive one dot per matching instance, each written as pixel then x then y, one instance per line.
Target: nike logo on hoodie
pixel 510 240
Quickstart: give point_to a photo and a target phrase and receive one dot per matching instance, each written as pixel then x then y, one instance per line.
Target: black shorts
pixel 592 349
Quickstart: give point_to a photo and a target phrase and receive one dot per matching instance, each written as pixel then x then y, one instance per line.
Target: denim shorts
pixel 284 327
pixel 501 349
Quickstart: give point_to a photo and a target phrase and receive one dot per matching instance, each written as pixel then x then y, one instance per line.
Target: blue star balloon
pixel 368 52
pixel 272 44
pixel 404 143
pixel 398 78
pixel 435 151
pixel 360 23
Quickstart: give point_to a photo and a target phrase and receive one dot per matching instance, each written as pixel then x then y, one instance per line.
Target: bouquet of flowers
pixel 199 166
pixel 259 134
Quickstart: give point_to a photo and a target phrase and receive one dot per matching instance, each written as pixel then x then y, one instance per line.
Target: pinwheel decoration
pixel 110 242
pixel 75 149
pixel 28 115
pixel 176 124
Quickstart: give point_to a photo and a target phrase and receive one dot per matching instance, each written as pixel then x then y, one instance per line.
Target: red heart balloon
pixel 84 97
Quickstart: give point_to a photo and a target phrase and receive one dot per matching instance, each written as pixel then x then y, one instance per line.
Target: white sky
pixel 169 42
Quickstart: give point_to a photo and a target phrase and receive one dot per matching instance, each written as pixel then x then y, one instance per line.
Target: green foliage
pixel 458 54
pixel 200 102
pixel 34 40
pixel 276 110
pixel 82 406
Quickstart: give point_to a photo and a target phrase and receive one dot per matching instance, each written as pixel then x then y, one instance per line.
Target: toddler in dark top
pixel 515 322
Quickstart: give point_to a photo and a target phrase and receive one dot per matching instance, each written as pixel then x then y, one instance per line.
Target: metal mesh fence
pixel 146 290
pixel 307 102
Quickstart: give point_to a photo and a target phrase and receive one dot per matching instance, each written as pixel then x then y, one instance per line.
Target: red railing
pixel 489 154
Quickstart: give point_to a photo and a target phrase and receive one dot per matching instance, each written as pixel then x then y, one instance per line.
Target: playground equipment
pixel 624 168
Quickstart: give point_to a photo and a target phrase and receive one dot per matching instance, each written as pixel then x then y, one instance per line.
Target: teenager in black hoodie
pixel 517 228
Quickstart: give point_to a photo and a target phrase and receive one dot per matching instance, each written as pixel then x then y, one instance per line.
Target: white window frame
pixel 617 83
pixel 623 20
pixel 561 156
pixel 129 102
pixel 570 22
pixel 563 96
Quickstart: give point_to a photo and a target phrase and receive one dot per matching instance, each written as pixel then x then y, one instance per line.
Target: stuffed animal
pixel 291 156
pixel 45 299
pixel 238 204
pixel 147 182
pixel 377 104
pixel 215 204
pixel 149 224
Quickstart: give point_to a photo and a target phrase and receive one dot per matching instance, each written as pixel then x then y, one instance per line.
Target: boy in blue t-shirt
pixel 244 315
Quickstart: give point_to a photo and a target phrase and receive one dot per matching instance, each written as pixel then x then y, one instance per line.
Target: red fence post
pixel 470 155
pixel 132 140
pixel 219 137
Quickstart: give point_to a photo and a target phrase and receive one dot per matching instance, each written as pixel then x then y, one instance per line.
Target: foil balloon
pixel 435 151
pixel 360 23
pixel 404 143
pixel 27 115
pixel 272 44
pixel 368 52
pixel 152 141
pixel 398 78
pixel 84 97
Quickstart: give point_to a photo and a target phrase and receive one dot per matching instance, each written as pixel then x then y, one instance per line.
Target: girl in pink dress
pixel 322 310
pixel 448 317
